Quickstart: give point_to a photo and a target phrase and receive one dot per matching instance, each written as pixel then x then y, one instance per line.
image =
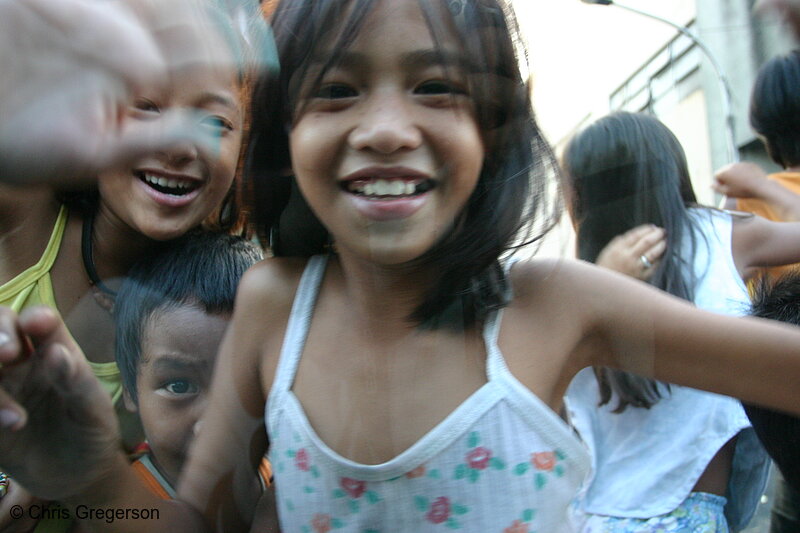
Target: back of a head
pixel 625 170
pixel 779 432
pixel 775 108
pixel 622 171
pixel 201 268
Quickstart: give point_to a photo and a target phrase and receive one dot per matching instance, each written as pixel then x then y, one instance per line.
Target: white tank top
pixel 646 461
pixel 502 461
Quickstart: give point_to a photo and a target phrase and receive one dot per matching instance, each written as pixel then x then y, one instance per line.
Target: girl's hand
pixel 636 252
pixel 83 61
pixel 740 180
pixel 58 430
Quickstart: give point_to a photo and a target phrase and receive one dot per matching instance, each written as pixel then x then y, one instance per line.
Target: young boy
pixel 780 432
pixel 171 314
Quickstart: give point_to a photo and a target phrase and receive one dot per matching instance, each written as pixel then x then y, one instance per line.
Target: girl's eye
pixel 181 386
pixel 218 123
pixel 435 87
pixel 145 105
pixel 335 91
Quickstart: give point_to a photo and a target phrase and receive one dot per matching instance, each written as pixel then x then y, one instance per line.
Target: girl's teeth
pixel 382 187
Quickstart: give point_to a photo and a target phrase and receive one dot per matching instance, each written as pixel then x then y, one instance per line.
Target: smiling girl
pixel 409 381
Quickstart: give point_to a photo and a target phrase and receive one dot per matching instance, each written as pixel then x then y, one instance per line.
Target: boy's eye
pixel 181 386
pixel 336 91
pixel 435 87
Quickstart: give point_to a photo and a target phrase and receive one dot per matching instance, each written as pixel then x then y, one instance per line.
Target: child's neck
pixel 116 246
pixel 383 295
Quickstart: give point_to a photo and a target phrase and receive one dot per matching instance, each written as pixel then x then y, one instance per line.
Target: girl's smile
pixel 171 191
pixel 369 146
pixel 387 193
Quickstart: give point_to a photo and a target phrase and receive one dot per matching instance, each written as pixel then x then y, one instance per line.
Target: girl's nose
pixel 386 126
pixel 179 154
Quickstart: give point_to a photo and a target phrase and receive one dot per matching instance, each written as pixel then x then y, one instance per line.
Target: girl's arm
pixel 758 242
pixel 748 180
pixel 633 327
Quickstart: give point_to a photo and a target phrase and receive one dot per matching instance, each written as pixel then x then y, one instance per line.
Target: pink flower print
pixel 516 527
pixel 417 472
pixel 478 458
pixel 543 460
pixel 321 523
pixel 353 487
pixel 301 460
pixel 440 510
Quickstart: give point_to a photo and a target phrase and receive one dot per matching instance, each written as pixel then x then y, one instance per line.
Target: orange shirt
pixel 789 180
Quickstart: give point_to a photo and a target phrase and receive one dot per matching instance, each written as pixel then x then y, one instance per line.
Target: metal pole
pixel 724 84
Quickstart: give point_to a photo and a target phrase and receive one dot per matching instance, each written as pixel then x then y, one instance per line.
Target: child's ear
pixel 128 402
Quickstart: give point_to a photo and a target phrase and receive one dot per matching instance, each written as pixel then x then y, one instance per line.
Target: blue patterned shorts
pixel 700 512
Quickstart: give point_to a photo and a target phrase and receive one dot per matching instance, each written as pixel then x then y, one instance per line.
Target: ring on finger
pixel 4 481
pixel 645 262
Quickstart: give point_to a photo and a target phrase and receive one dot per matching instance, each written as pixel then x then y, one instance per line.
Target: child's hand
pixel 740 180
pixel 58 430
pixel 636 252
pixel 72 67
pixel 18 497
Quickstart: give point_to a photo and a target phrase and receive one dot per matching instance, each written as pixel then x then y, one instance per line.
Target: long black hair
pixel 513 202
pixel 775 108
pixel 625 170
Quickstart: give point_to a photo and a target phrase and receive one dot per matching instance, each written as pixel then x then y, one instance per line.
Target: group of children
pixel 402 373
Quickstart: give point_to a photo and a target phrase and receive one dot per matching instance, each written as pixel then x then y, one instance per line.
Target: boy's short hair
pixel 201 268
pixel 775 108
pixel 779 432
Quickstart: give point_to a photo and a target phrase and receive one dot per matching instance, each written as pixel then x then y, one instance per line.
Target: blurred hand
pixel 636 252
pixel 740 180
pixel 58 431
pixel 71 67
pixel 17 495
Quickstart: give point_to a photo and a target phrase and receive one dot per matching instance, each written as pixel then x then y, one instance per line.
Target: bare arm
pixel 758 242
pixel 633 327
pixel 747 180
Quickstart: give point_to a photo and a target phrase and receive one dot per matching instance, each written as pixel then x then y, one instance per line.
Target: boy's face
pixel 179 347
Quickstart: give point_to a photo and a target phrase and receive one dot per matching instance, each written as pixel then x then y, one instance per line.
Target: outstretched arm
pixel 639 329
pixel 748 180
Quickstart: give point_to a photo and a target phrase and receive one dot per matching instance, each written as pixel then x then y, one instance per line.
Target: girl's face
pixel 387 152
pixel 171 191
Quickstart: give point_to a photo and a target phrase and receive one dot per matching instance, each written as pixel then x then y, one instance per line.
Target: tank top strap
pixel 299 321
pixel 495 363
pixel 16 292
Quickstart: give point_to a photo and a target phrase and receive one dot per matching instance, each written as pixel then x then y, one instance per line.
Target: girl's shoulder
pixel 536 276
pixel 273 278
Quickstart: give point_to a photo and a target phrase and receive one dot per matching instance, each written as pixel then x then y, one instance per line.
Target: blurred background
pixel 591 57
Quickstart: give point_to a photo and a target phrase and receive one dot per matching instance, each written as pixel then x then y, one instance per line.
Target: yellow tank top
pixel 34 287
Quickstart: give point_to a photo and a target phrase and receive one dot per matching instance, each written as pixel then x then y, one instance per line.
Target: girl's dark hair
pixel 625 170
pixel 202 268
pixel 775 108
pixel 513 190
pixel 778 432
